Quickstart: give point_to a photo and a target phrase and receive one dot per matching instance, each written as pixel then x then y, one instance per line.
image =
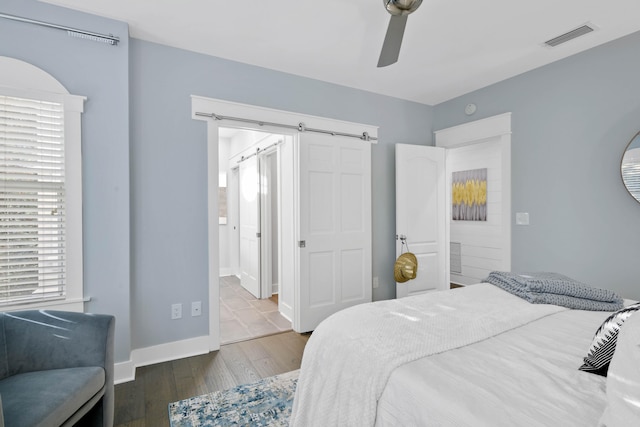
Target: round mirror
pixel 630 167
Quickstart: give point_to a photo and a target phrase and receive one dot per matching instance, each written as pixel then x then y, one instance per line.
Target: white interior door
pixel 250 226
pixel 421 215
pixel 334 220
pixel 233 221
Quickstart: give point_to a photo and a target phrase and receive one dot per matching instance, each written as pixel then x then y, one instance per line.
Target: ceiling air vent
pixel 580 31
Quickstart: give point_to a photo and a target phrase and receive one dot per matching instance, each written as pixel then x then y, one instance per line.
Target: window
pixel 40 199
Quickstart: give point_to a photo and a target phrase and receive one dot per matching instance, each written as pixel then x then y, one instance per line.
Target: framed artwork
pixel 469 195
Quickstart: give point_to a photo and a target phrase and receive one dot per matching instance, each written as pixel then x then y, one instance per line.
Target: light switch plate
pixel 196 308
pixel 522 218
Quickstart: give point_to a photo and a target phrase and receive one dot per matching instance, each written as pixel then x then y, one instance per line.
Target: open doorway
pixel 325 225
pixel 249 235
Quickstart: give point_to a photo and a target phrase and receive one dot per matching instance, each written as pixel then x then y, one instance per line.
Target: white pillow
pixel 623 380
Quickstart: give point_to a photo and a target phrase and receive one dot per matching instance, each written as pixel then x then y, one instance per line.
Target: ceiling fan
pixel 399 10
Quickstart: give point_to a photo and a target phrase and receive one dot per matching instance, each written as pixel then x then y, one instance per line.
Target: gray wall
pixel 100 72
pixel 571 123
pixel 168 171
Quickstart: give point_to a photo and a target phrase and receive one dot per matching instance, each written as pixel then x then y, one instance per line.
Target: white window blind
pixel 32 200
pixel 631 171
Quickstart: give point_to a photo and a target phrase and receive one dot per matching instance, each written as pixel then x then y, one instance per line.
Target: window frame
pixel 49 89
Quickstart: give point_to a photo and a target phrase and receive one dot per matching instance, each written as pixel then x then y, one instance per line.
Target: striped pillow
pixel 623 385
pixel 604 342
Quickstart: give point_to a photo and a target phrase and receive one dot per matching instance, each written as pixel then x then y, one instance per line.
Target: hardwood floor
pixel 144 402
pixel 243 316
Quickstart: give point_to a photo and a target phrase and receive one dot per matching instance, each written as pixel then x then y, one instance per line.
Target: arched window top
pixel 17 73
pixel 35 83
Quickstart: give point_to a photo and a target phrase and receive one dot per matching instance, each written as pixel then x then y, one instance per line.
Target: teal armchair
pixel 56 369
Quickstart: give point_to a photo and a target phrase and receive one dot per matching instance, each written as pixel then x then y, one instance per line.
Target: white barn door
pixel 421 216
pixel 250 226
pixel 334 227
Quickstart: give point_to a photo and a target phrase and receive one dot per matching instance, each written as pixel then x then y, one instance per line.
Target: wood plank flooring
pixel 144 402
pixel 243 316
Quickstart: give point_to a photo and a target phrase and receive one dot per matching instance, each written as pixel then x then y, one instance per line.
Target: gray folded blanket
pixel 556 289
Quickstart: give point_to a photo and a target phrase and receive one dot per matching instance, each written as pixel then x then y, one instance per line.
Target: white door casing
pixel 490 247
pixel 421 216
pixel 287 228
pixel 250 226
pixel 335 266
pixel 264 193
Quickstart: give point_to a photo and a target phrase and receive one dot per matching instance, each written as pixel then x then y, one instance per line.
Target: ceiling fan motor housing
pixel 401 7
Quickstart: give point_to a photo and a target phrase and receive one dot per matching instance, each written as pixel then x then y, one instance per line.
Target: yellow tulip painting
pixel 469 195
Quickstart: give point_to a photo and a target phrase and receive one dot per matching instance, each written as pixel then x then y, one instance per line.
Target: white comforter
pixel 524 377
pixel 350 356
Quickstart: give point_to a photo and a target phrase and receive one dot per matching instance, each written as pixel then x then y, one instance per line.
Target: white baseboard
pixel 226 272
pixel 274 288
pixel 126 371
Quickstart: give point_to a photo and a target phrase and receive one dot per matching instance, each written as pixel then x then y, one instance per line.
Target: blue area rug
pixel 266 402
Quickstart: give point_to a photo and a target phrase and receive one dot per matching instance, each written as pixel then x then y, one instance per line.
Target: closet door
pixel 334 227
pixel 250 226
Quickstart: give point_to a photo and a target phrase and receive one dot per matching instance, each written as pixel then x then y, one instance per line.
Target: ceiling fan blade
pixel 392 41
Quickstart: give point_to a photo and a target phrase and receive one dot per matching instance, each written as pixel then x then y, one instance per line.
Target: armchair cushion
pixel 50 397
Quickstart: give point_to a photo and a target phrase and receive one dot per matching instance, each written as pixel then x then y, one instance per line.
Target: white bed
pixel 476 356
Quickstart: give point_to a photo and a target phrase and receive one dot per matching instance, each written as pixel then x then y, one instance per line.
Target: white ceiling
pixel 450 47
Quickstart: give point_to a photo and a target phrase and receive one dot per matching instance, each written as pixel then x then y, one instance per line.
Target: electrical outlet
pixel 375 282
pixel 176 311
pixel 196 308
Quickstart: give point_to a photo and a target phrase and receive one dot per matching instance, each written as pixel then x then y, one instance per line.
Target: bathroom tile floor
pixel 244 317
